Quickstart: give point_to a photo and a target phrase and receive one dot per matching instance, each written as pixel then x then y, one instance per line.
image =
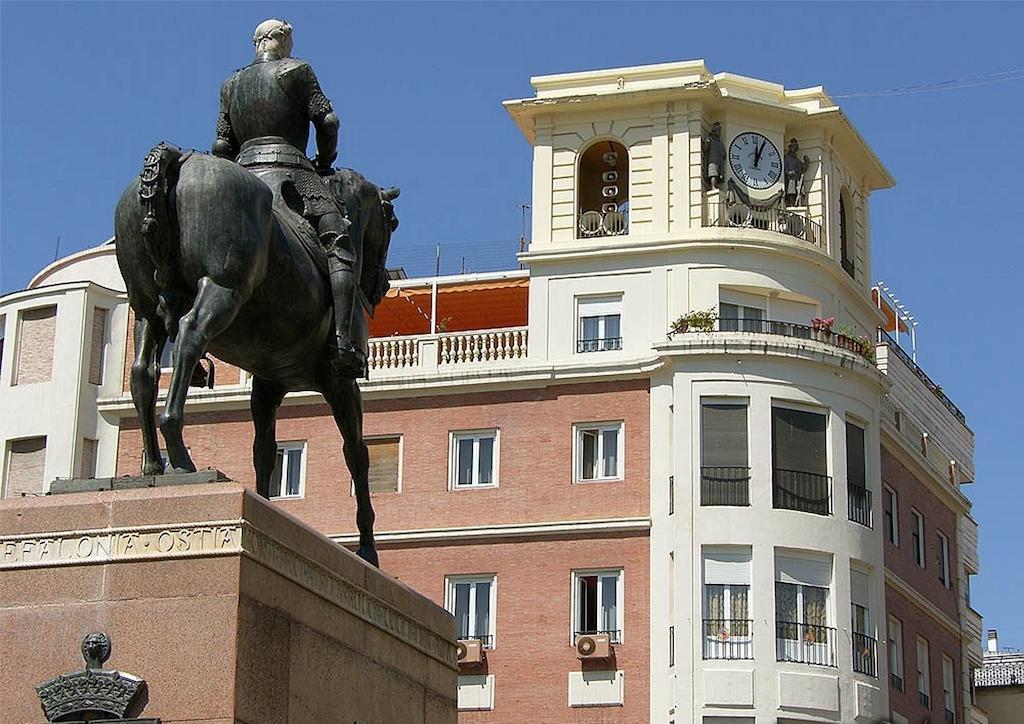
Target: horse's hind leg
pixel 150 338
pixel 347 407
pixel 214 309
pixel 266 399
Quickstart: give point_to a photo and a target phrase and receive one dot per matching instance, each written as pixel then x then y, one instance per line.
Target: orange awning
pixel 460 307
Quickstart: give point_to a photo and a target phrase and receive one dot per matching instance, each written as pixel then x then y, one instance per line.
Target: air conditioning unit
pixel 470 651
pixel 594 646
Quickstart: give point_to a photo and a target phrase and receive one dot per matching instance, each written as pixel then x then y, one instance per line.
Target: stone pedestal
pixel 231 610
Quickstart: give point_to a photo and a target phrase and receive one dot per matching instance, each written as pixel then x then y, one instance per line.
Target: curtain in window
pixel 591 328
pixel 609 602
pixel 798 440
pixel 724 435
pixel 294 469
pixel 462 609
pixel 714 596
pixel 465 462
pixel 483 608
pixel 740 612
pixel 786 608
pixel 815 606
pixel 611 326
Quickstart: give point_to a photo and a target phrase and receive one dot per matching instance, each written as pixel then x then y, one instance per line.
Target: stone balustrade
pixel 449 349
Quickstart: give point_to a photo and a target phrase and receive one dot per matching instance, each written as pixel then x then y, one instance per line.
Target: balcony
pixel 891 344
pixel 860 347
pixel 614 634
pixel 858 504
pixel 803 491
pixel 728 639
pixel 431 351
pixel 607 223
pixel 805 643
pixel 791 222
pixel 864 654
pixel 599 345
pixel 725 486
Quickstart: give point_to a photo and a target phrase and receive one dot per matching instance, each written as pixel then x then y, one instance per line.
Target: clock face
pixel 754 160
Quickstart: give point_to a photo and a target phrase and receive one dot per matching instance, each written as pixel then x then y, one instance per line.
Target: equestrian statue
pixel 260 257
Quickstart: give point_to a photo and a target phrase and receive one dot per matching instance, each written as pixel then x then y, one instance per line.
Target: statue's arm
pixel 226 144
pixel 320 112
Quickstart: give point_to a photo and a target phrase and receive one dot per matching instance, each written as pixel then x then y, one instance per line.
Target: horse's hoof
pixel 369 554
pixel 153 469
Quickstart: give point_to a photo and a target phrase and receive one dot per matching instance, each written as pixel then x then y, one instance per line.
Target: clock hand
pixel 757 155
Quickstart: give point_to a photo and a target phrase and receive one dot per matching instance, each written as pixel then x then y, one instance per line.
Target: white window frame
pixel 620 598
pixel 895 641
pixel 919 549
pixel 944 577
pixel 895 499
pixel 577 450
pixel 948 684
pixel 284 447
pixel 924 684
pixel 454 437
pixel 492 618
pixel 614 302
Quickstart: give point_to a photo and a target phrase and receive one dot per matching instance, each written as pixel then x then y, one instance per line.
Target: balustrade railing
pixel 864 650
pixel 483 346
pixel 858 504
pixel 766 218
pixel 394 352
pixel 805 643
pixel 888 341
pixel 725 486
pixel 803 491
pixel 728 639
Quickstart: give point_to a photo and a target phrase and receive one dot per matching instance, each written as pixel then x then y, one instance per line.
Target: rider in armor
pixel 265 112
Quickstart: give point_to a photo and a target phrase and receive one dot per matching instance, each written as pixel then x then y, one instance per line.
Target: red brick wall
pixel 912 493
pixel 534 654
pixel 941 641
pixel 535 459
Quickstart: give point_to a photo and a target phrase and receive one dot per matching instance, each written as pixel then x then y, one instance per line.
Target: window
pixel 598 603
pixel 471 599
pixel 943 560
pixel 3 333
pixel 35 338
pixel 599 451
pixel 858 495
pixel 740 318
pixel 802 585
pixel 917 537
pixel 385 464
pixel 87 467
pixel 948 695
pixel 799 461
pixel 603 190
pixel 600 327
pixel 724 471
pixel 845 234
pixel 474 459
pixel 860 623
pixel 167 355
pixel 288 478
pixel 97 351
pixel 26 467
pixel 896 653
pixel 890 504
pixel 727 625
pixel 923 684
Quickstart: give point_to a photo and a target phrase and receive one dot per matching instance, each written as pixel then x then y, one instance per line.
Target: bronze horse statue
pixel 213 261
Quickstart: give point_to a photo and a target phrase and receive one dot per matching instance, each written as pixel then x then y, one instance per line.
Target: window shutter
pixel 724 435
pixel 383 465
pixel 600 306
pixel 26 463
pixel 35 346
pixel 798 440
pixel 99 340
pixel 804 570
pixel 88 467
pixel 727 566
pixel 855 467
pixel 859 588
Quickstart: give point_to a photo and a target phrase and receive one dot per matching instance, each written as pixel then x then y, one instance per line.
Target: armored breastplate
pixel 260 106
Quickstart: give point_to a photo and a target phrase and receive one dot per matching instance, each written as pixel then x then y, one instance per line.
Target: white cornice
pixel 900 448
pixel 565 528
pixel 919 600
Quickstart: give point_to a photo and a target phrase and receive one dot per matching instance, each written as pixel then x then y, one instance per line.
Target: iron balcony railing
pixel 781 221
pixel 728 638
pixel 805 643
pixel 888 341
pixel 725 486
pixel 864 650
pixel 603 223
pixel 858 504
pixel 613 633
pixel 598 345
pixel 486 640
pixel 862 347
pixel 803 491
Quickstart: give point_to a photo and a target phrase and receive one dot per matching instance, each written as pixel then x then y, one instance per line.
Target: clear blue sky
pixel 88 88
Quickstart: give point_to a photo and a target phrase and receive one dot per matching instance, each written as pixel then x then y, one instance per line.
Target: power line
pixel 1004 76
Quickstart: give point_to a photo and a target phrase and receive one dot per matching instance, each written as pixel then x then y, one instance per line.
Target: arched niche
pixel 603 190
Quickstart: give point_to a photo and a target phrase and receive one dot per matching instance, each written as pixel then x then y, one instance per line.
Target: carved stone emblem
pixel 84 695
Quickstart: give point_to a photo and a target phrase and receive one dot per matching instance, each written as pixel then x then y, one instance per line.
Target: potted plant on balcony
pixel 698 321
pixel 822 327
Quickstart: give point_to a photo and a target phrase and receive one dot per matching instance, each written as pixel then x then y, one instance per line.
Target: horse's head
pixel 372 213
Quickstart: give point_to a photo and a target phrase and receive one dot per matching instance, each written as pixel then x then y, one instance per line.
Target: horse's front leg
pixel 347 407
pixel 214 309
pixel 149 343
pixel 265 400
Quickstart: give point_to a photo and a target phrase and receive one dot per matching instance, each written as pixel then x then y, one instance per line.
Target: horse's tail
pixel 159 232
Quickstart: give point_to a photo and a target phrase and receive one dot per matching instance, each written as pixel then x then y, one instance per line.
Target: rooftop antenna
pixel 522 232
pixel 437 260
pixel 56 252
